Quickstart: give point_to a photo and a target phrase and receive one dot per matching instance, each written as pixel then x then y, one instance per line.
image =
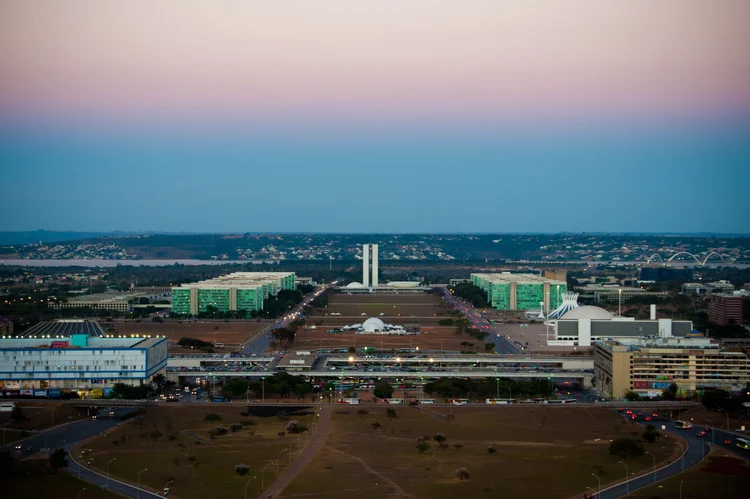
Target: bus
pixel 460 401
pixel 395 401
pixel 683 425
pixel 742 443
pixel 426 401
pixel 219 399
pixel 349 401
pixel 499 401
pixel 7 407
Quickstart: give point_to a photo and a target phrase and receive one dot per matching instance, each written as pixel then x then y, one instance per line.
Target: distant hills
pixel 47 236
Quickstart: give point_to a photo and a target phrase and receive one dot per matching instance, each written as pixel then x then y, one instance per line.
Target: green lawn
pixel 540 452
pixel 200 466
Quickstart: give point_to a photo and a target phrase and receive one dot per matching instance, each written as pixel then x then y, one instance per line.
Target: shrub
pixel 626 448
pixel 172 437
pixel 439 437
pixel 462 474
pixel 241 469
pixel 155 435
pixel 375 425
pixel 491 449
pixel 220 430
pixel 235 427
pixel 281 434
pixel 422 446
pixel 458 446
pixel 650 436
pixel 294 427
pixel 212 417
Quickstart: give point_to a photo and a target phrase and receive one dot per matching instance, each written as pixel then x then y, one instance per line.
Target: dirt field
pixel 200 466
pixel 34 478
pixel 540 452
pixel 390 305
pixel 431 338
pixel 38 417
pixel 723 475
pixel 229 333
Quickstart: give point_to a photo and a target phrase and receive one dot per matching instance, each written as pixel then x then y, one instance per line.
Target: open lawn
pixel 430 338
pixel 540 452
pixel 33 479
pixel 229 333
pixel 390 305
pixel 722 475
pixel 199 465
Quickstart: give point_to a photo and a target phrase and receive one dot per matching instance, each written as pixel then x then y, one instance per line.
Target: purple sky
pixel 373 62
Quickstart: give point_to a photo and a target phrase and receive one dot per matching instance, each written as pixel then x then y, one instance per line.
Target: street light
pixel 262 476
pixel 627 478
pixel 681 482
pixel 53 415
pixel 652 457
pixel 79 493
pixel 108 463
pixel 4 426
pixel 138 495
pixel 278 457
pixel 727 413
pixel 599 490
pixel 248 483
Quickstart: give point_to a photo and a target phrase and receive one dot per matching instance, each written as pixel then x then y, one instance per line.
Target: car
pixel 111 413
pixel 93 417
pixel 654 415
pixel 728 442
pixel 18 446
pixel 707 429
pixel 648 418
pixel 701 434
pixel 628 412
pixel 28 448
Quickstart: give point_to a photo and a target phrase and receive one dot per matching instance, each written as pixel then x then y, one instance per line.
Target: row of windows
pixel 72 368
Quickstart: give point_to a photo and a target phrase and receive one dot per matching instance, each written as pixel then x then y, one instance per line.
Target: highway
pixel 262 342
pixel 66 437
pixel 502 345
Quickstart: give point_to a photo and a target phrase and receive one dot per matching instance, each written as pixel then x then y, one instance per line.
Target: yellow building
pixel 649 366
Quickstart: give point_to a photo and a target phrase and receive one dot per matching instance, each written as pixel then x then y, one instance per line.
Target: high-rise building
pixel 233 292
pixel 725 309
pixel 366 265
pixel 508 291
pixel 374 265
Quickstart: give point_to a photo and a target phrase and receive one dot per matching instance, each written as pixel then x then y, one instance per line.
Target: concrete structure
pixel 366 265
pixel 233 292
pixel 694 288
pixel 584 326
pixel 113 300
pixel 88 365
pixel 374 265
pixel 649 367
pixel 63 328
pixel 725 309
pixel 614 294
pixel 508 291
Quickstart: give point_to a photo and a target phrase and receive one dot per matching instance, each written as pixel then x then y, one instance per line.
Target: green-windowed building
pixel 508 291
pixel 237 291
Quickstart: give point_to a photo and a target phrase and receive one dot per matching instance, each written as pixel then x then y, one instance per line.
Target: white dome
pixel 587 312
pixel 355 285
pixel 373 325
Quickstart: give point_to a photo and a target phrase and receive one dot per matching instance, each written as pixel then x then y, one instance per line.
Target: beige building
pixel 650 366
pixel 112 300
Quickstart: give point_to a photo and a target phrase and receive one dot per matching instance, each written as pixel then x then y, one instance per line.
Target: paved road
pixel 262 342
pixel 502 345
pixel 697 449
pixel 299 464
pixel 67 436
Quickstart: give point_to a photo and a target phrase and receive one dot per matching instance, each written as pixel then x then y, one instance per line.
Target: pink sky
pixel 379 60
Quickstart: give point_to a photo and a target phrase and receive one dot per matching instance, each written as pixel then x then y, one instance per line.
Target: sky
pixel 389 116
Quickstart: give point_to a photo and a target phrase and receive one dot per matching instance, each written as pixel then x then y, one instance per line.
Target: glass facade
pixel 247 299
pixel 528 296
pixel 218 298
pixel 500 298
pixel 181 301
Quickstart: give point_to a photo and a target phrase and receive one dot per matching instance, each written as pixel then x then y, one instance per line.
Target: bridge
pixel 201 360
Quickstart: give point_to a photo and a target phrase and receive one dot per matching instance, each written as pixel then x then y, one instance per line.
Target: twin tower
pixel 366 265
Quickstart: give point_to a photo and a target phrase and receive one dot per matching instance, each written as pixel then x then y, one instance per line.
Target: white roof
pixel 373 324
pixel 587 312
pixel 355 285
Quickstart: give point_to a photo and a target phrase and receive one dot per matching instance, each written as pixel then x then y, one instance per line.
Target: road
pixel 262 342
pixel 477 321
pixel 66 437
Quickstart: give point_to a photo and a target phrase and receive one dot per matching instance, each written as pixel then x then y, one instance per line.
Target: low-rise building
pixel 615 294
pixel 89 366
pixel 111 300
pixel 647 367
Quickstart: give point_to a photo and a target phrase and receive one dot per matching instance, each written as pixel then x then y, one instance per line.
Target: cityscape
pixel 313 250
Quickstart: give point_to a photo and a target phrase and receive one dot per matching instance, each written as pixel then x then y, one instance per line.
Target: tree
pixel 241 469
pixel 390 413
pixel 462 474
pixel 491 449
pixel 375 426
pixel 714 400
pixel 155 435
pixel 57 459
pixel 383 390
pixel 626 448
pixel 160 381
pixel 16 414
pixel 458 446
pixel 439 438
pixel 422 446
pixel 488 347
pixel 212 417
pixel 236 387
pixel 631 396
pixel 670 393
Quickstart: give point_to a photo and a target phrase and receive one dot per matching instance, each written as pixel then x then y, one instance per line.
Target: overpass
pixel 565 363
pixel 201 360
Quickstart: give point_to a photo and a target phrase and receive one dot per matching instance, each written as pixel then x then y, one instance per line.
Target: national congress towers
pixel 368 249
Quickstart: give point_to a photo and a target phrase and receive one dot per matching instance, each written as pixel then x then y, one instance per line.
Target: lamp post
pixel 110 461
pixel 654 458
pixel 78 496
pixel 681 482
pixel 138 494
pixel 727 413
pixel 5 426
pixel 627 477
pixel 599 489
pixel 263 474
pixel 278 458
pixel 248 483
pixel 53 415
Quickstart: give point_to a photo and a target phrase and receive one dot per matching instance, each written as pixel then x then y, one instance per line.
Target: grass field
pixel 34 479
pixel 540 452
pixel 431 338
pixel 722 475
pixel 390 305
pixel 200 466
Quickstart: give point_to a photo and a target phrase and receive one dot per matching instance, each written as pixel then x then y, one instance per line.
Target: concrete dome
pixel 355 285
pixel 587 312
pixel 373 325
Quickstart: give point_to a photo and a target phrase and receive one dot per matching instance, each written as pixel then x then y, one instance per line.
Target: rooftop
pixel 64 328
pixel 110 296
pixel 504 278
pixel 239 279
